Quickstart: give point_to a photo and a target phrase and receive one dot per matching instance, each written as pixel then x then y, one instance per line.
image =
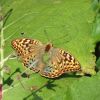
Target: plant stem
pixel 4 60
pixel 2 46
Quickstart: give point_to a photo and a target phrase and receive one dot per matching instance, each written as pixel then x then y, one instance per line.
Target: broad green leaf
pixel 64 22
pixel 68 25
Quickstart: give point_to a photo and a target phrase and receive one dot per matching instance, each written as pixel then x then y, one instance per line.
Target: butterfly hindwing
pixel 60 62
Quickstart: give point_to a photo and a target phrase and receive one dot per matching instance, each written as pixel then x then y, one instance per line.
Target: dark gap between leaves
pixel 97 53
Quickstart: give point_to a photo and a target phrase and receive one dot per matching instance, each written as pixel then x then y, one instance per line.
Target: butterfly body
pixel 44 58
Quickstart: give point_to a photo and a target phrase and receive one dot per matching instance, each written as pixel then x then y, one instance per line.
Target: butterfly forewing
pixel 28 50
pixel 25 46
pixel 60 62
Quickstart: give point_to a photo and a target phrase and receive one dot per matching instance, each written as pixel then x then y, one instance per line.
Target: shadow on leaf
pixel 48 85
pixel 71 75
pixel 9 80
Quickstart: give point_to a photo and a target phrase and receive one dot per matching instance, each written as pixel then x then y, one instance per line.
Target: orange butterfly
pixel 44 58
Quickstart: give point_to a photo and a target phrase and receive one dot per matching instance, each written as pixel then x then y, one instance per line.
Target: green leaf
pixel 98 63
pixel 96 25
pixel 96 29
pixel 68 25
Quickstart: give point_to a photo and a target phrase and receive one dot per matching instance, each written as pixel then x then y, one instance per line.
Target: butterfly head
pixel 48 47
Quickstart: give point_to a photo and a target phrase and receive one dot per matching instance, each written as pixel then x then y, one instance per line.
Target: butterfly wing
pixel 29 51
pixel 60 62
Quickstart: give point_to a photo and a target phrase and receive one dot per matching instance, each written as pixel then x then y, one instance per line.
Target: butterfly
pixel 45 59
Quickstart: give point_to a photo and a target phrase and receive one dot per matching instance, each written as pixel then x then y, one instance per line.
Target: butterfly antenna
pixel 52 41
pixel 61 37
pixel 64 36
pixel 45 32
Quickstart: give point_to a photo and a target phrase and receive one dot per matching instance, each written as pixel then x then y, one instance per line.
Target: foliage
pixel 69 24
